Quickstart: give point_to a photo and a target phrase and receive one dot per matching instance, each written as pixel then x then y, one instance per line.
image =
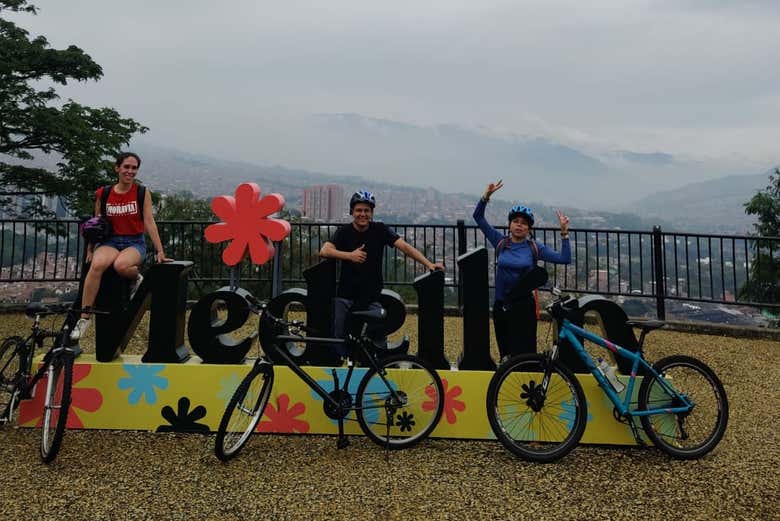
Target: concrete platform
pixel 128 394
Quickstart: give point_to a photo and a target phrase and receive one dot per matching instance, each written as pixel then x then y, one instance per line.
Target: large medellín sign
pixel 246 224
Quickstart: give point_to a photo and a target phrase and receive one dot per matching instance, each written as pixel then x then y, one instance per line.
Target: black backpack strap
pixel 535 251
pixel 500 246
pixel 141 200
pixel 104 199
pixel 534 248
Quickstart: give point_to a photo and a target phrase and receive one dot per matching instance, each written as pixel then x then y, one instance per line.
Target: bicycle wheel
pixel 694 433
pixel 10 372
pixel 244 411
pixel 401 404
pixel 532 424
pixel 55 406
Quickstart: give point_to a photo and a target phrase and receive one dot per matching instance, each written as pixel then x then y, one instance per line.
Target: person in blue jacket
pixel 514 319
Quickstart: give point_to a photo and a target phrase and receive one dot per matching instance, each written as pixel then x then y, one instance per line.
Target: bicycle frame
pixel 317 388
pixel 27 384
pixel 570 331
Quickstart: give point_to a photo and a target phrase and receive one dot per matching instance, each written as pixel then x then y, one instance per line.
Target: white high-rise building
pixel 324 203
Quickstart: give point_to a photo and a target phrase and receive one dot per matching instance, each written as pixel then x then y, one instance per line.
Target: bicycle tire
pixel 673 433
pixel 239 421
pixel 11 369
pixel 56 406
pixel 410 422
pixel 542 435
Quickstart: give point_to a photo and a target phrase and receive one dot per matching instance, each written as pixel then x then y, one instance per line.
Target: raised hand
pixel 492 188
pixel 358 255
pixel 564 220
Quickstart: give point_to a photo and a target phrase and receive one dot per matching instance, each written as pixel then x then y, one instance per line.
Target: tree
pixel 183 206
pixel 34 123
pixel 764 283
pixel 766 206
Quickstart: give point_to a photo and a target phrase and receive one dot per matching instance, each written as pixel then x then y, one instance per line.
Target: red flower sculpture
pixel 282 419
pixel 246 222
pixel 450 403
pixel 87 399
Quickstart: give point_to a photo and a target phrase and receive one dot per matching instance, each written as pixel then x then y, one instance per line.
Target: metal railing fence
pixel 722 269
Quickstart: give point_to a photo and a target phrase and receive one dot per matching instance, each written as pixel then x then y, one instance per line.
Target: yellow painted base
pixel 128 394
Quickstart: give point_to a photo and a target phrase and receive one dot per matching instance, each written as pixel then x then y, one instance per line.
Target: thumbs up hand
pixel 358 256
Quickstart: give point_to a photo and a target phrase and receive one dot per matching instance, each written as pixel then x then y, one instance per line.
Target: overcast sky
pixel 693 78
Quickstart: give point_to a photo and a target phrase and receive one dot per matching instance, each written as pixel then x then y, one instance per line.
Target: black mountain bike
pixel 16 382
pixel 398 402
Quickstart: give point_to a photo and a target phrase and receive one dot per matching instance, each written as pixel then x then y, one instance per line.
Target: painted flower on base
pixel 246 224
pixel 284 418
pixel 143 381
pixel 87 399
pixel 451 403
pixel 183 419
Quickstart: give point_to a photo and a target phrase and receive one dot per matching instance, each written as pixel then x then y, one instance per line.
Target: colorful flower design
pixel 451 404
pixel 283 418
pixel 184 419
pixel 143 380
pixel 404 421
pixel 86 399
pixel 569 412
pixel 246 223
pixel 374 387
pixel 227 387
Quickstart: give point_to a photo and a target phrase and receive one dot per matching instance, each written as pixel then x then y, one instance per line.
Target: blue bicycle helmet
pixel 362 196
pixel 521 211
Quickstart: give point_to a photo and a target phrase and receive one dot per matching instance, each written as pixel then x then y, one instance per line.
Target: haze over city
pixel 584 104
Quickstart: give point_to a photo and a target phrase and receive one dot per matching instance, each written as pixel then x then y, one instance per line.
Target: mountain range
pixel 714 206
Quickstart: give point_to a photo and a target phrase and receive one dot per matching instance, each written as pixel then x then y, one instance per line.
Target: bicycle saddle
pixel 646 325
pixel 33 308
pixel 370 315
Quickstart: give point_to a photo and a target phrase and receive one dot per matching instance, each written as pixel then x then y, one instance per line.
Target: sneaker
pixel 80 328
pixel 136 285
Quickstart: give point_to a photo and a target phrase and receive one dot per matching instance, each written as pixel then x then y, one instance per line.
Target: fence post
pixel 276 270
pixel 461 225
pixel 660 283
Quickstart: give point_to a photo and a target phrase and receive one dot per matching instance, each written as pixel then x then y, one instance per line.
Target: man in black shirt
pixel 360 245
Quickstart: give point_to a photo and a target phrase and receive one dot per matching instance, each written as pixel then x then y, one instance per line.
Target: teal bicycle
pixel 537 409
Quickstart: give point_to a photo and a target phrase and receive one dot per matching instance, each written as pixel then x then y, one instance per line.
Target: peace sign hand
pixel 564 220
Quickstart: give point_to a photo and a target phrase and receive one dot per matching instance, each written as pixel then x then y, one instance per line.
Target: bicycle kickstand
pixel 342 441
pixel 389 415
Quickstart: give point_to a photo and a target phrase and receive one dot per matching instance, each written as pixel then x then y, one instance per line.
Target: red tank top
pixel 122 211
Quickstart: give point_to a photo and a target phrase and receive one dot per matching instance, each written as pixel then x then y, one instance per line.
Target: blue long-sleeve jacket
pixel 516 258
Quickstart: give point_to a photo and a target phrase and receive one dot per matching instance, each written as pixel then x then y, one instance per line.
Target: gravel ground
pixel 138 475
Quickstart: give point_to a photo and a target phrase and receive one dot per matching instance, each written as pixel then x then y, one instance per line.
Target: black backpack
pixel 539 275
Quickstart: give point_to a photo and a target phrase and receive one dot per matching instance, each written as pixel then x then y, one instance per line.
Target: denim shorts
pixel 121 242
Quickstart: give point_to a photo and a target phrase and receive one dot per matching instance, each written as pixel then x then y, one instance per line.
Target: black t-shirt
pixel 363 281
